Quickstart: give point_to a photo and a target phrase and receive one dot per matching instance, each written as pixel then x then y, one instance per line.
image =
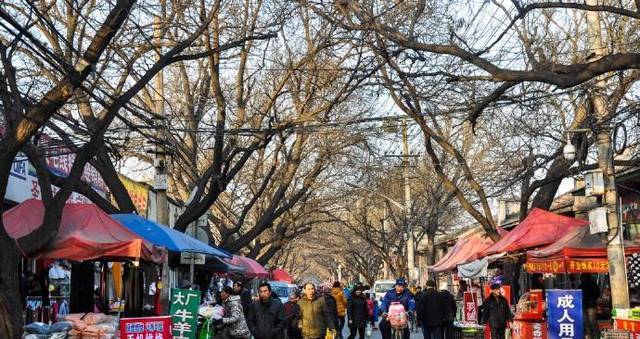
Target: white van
pixel 380 288
pixel 282 289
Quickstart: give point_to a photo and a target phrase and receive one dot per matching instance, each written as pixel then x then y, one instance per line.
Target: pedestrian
pixel 590 295
pixel 341 306
pixel 332 307
pixel 358 313
pixel 431 312
pixel 450 309
pixel 398 294
pixel 267 319
pixel 496 312
pixel 315 319
pixel 418 293
pixel 292 312
pixel 371 309
pixel 233 324
pixel 245 296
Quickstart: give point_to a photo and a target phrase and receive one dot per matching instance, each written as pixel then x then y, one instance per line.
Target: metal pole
pixel 615 249
pixel 407 204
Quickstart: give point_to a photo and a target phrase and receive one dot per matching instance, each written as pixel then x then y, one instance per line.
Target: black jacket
pixel 430 308
pixel 332 308
pixel 246 300
pixel 449 306
pixel 496 312
pixel 267 320
pixel 357 312
pixel 292 312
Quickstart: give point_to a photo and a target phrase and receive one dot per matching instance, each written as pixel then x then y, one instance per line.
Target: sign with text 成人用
pixel 564 314
pixel 145 328
pixel 184 313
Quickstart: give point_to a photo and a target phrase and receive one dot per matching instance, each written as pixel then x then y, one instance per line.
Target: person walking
pixel 431 312
pixel 371 309
pixel 233 324
pixel 449 312
pixel 400 294
pixel 341 306
pixel 267 319
pixel 332 307
pixel 496 312
pixel 315 319
pixel 292 312
pixel 358 313
pixel 245 296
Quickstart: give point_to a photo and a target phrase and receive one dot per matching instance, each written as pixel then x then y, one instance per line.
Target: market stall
pixel 278 274
pixel 252 268
pixel 465 250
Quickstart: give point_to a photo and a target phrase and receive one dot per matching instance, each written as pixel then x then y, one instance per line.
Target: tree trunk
pixel 10 304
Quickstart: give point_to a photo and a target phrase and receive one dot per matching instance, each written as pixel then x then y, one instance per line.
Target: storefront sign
pixel 546 266
pixel 633 326
pixel 564 314
pixel 145 328
pixel 470 307
pixel 529 330
pixel 184 313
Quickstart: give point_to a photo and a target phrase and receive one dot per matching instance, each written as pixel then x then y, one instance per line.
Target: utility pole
pixel 615 249
pixel 407 203
pixel 160 161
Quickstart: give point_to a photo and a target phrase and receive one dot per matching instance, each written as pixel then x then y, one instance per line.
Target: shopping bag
pixel 331 334
pixel 368 333
pixel 207 331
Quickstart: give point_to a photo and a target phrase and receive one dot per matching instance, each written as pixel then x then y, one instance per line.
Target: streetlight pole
pixel 407 204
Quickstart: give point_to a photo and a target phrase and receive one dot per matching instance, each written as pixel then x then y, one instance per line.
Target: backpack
pixel 397 316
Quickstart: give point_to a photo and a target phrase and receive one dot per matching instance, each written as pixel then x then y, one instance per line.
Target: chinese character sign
pixel 145 328
pixel 564 314
pixel 470 307
pixel 184 313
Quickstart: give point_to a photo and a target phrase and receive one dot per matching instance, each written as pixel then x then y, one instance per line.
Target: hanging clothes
pixel 133 291
pixel 82 284
pixel 116 272
pixel 633 270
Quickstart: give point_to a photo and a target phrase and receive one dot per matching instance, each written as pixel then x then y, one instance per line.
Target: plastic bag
pixel 207 331
pixel 36 328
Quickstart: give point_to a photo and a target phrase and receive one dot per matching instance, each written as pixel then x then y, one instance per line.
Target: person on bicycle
pixel 398 294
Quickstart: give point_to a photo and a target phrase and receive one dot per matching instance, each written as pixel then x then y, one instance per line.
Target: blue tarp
pixel 169 238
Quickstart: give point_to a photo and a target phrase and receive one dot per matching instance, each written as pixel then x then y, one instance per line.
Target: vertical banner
pixel 143 328
pixel 470 307
pixel 184 313
pixel 564 314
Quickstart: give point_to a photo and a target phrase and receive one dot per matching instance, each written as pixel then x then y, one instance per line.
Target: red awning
pixel 465 250
pixel 578 251
pixel 85 233
pixel 538 229
pixel 252 268
pixel 280 275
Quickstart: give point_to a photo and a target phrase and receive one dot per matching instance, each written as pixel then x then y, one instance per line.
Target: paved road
pixel 376 335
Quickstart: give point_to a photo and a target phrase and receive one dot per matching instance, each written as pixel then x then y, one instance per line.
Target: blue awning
pixel 169 238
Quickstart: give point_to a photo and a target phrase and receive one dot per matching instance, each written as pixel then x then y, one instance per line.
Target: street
pixel 376 334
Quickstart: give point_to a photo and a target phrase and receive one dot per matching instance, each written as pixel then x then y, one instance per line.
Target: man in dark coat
pixel 332 306
pixel 431 312
pixel 496 312
pixel 266 317
pixel 450 309
pixel 358 313
pixel 245 297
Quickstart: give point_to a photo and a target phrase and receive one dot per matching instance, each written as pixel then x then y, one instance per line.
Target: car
pixel 282 289
pixel 380 288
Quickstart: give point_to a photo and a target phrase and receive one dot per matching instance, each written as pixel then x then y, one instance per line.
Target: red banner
pixel 144 328
pixel 570 265
pixel 528 330
pixel 470 307
pixel 633 326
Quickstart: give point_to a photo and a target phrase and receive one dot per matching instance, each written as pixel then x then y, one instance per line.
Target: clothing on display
pixel 633 270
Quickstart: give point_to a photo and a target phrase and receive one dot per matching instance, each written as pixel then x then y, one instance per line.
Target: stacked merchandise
pixel 39 330
pixel 627 320
pixel 634 270
pixel 92 326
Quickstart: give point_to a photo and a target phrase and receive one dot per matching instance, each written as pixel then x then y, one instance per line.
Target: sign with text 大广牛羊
pixel 184 313
pixel 564 314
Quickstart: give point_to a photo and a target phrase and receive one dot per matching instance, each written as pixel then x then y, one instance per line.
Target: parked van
pixel 380 288
pixel 282 289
